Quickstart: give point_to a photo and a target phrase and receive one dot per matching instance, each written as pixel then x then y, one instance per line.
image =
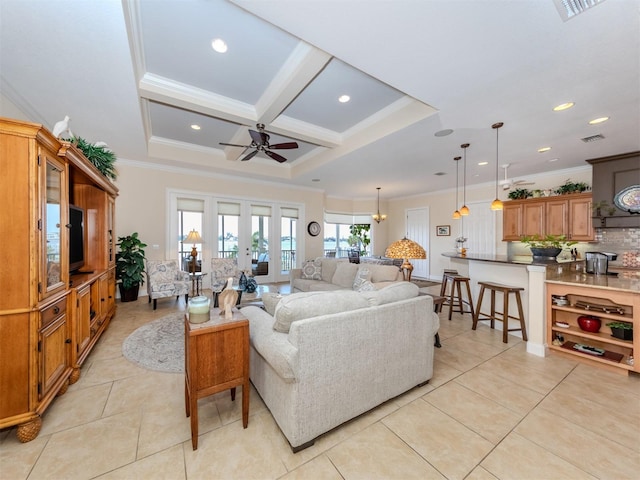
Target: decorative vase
pixel 546 252
pixel 589 323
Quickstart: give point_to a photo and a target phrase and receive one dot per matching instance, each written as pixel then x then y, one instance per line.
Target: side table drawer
pixel 53 311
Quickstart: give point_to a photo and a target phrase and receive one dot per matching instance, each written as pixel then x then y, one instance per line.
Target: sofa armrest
pixel 273 346
pixel 294 273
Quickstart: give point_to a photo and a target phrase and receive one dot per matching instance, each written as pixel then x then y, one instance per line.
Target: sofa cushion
pixel 362 275
pixel 383 273
pixel 270 301
pixel 312 270
pixel 345 274
pixel 328 267
pixel 299 306
pixel 391 293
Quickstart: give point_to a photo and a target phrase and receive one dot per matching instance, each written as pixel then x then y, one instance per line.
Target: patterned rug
pixel 158 345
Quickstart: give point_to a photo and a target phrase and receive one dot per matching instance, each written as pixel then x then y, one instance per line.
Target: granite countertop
pixel 510 259
pixel 626 281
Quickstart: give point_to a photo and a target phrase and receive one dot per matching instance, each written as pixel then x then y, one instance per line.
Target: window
pixel 190 214
pixel 343 233
pixel 228 224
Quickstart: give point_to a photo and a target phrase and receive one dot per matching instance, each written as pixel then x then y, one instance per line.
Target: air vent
pixel 439 174
pixel 593 138
pixel 570 8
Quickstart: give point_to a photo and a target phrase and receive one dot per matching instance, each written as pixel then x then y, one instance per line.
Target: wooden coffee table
pixel 216 356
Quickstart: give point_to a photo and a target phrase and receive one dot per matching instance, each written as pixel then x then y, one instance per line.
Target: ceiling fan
pixel 260 141
pixel 509 183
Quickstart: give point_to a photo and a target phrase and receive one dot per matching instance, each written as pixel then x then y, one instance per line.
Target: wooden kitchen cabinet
pixel 562 325
pixel 568 215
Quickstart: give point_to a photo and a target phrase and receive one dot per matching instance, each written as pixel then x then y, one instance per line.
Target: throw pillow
pixel 345 274
pixel 271 301
pixel 363 275
pixel 366 286
pixel 312 270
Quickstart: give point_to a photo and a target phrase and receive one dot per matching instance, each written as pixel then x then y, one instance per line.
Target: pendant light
pixel 456 214
pixel 497 204
pixel 464 211
pixel 377 216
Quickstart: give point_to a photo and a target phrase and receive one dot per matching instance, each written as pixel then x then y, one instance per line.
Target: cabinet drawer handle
pixel 56 310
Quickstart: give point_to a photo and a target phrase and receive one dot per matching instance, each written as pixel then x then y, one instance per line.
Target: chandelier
pixel 378 217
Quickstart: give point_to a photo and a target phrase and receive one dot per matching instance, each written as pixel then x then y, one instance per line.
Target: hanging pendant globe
pixel 464 210
pixel 496 205
pixel 456 215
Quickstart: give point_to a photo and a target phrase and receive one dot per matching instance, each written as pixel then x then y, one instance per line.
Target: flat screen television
pixel 76 238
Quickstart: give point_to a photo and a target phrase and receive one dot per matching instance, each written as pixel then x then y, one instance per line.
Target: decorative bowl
pixel 589 323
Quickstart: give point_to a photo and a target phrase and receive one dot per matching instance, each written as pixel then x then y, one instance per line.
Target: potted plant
pixel 572 187
pixel 520 194
pixel 621 330
pixel 548 246
pixel 130 266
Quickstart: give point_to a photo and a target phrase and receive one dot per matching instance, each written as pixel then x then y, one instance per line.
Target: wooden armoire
pixel 50 318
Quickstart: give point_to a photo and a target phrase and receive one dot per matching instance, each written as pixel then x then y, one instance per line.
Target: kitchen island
pixel 517 271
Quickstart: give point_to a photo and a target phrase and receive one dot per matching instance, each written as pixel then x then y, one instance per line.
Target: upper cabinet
pixel 568 215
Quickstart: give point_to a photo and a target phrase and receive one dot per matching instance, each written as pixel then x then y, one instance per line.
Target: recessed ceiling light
pixel 315 179
pixel 552 160
pixel 439 174
pixel 344 98
pixel 596 121
pixel 563 106
pixel 219 45
pixel 443 133
pixel 195 126
pixel 544 149
pixel 483 163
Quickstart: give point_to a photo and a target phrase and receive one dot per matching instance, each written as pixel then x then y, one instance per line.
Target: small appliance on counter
pixel 598 262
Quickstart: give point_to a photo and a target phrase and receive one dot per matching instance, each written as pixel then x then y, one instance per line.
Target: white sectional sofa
pixel 324 358
pixel 327 274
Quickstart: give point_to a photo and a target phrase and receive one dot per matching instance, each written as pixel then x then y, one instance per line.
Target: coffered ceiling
pixel 138 74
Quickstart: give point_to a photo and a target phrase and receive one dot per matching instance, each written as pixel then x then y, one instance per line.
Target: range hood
pixel 610 176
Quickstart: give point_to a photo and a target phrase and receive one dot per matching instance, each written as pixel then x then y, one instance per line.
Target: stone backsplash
pixel 613 240
pixel 620 241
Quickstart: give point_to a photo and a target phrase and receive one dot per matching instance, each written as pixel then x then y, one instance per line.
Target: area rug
pixel 158 345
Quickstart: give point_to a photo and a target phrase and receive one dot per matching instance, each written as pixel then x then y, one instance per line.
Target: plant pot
pixel 128 294
pixel 622 333
pixel 546 253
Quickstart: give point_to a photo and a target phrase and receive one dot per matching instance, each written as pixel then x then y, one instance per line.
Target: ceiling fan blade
pixel 249 156
pixel 275 156
pixel 234 145
pixel 284 145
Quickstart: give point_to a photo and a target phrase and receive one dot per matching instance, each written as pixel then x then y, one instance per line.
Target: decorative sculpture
pixel 227 300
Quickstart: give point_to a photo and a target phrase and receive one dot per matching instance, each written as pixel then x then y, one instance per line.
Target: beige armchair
pixel 164 279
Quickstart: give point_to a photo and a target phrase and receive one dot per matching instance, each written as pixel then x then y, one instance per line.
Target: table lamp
pixel 405 249
pixel 193 237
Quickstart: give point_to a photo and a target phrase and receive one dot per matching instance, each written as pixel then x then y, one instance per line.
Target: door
pixel 418 231
pixel 480 228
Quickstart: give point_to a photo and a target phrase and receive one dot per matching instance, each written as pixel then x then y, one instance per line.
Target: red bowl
pixel 589 323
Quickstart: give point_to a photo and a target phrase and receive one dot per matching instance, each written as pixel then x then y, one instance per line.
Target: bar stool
pixel 504 315
pixel 455 293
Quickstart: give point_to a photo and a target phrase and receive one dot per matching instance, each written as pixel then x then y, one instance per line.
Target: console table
pixel 216 359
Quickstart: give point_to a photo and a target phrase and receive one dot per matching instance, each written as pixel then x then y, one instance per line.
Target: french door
pixel 261 236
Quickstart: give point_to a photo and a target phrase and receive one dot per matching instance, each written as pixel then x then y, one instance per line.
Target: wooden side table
pixel 216 359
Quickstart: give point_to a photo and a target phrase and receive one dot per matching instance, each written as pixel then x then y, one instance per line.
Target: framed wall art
pixel 443 230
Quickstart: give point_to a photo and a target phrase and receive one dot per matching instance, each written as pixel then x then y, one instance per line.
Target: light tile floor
pixel 491 411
